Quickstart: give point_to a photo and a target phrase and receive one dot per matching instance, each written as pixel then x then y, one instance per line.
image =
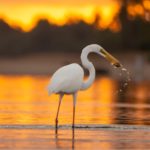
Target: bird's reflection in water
pixel 73 137
pixel 59 140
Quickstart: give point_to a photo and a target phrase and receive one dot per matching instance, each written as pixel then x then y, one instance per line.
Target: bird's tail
pixel 50 90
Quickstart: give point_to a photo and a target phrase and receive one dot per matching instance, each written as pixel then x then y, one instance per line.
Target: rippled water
pixel 28 114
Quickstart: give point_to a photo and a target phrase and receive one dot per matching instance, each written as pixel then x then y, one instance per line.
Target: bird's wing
pixel 63 78
pixel 56 84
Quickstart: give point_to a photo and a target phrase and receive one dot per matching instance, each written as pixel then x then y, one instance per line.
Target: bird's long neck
pixel 89 66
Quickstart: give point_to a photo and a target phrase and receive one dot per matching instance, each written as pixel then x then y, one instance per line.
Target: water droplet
pixel 126 76
pixel 124 69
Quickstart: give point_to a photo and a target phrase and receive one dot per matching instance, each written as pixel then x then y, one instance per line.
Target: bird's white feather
pixel 67 79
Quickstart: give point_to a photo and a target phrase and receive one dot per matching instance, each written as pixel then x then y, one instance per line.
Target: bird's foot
pixel 73 126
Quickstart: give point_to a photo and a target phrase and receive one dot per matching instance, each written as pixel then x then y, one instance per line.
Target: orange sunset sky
pixel 26 13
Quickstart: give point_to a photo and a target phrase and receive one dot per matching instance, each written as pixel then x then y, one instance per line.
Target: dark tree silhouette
pixel 135 34
pixel 132 29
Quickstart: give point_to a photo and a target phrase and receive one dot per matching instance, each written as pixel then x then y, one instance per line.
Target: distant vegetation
pixel 135 34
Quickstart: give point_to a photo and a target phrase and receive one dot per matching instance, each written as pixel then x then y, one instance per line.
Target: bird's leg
pixel 56 120
pixel 74 107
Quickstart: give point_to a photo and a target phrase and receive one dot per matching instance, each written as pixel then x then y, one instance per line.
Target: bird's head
pixel 101 51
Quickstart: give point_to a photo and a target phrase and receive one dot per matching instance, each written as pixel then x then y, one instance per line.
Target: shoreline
pixel 48 63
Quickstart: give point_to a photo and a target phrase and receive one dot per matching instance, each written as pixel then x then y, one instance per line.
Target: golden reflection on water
pixel 84 139
pixel 24 100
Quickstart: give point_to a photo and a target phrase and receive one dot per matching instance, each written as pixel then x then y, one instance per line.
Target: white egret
pixel 69 79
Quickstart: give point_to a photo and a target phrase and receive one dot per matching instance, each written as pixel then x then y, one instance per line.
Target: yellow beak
pixel 110 58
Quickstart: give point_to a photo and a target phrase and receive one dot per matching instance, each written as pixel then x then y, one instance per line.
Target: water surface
pixel 27 115
pixel 24 100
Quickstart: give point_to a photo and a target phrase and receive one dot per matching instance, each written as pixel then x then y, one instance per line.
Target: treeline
pixel 134 35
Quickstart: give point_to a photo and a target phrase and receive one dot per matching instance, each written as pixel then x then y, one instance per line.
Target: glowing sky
pixel 25 13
